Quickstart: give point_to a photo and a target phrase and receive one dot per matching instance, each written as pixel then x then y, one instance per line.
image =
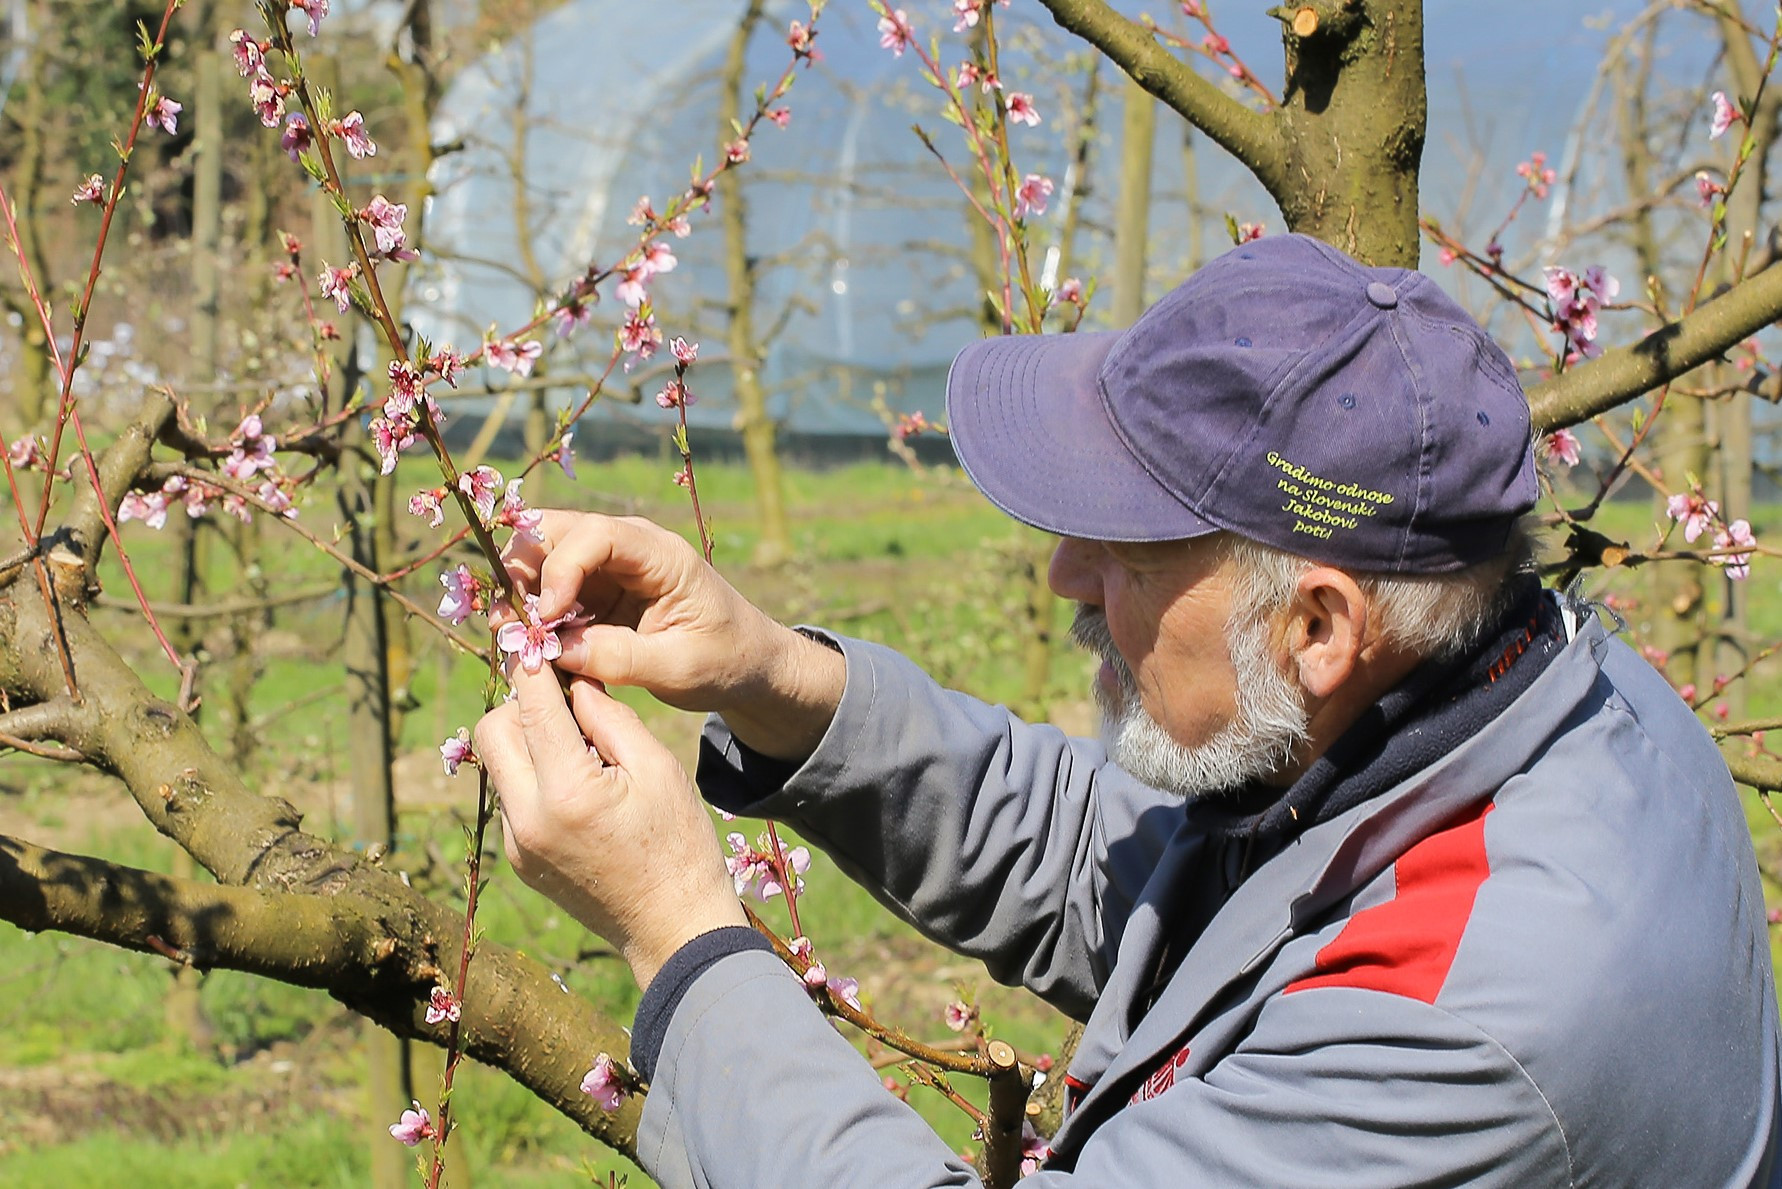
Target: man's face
pixel 1192 698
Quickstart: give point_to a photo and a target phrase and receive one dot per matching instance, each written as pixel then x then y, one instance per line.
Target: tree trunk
pixel 753 421
pixel 1132 218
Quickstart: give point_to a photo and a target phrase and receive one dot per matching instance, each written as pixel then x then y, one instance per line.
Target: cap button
pixel 1382 295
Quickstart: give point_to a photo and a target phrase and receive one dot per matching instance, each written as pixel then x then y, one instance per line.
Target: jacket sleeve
pixel 1336 1088
pixel 1002 840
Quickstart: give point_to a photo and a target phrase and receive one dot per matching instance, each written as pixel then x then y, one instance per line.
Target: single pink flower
pixel 966 14
pixel 640 335
pixel 895 33
pixel 414 1126
pixel 1071 290
pixel 802 42
pixel 1724 114
pixel 390 436
pixel 1031 196
pixel 1215 44
pixel 781 116
pixel 684 352
pixel 249 54
pixel 275 499
pixel 26 451
pixel 385 220
pixel 1706 188
pixel 1022 110
pixel 959 1015
pixel 534 641
pixel 454 751
pixel 1695 513
pixel 268 98
pixel 603 1084
pixel 448 365
pixel 315 10
pixel 1563 445
pixel 847 990
pixel 737 151
pixel 463 595
pixel 163 113
pixel 564 454
pixel 406 388
pixel 1034 1149
pixel 674 395
pixel 351 128
pixel 92 190
pixel 911 424
pixel 336 284
pixel 483 485
pixel 517 516
pixel 429 503
pixel 442 1005
pixel 295 138
pixel 1247 232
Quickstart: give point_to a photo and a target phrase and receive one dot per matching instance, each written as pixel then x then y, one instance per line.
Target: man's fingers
pixel 606 652
pixel 501 747
pixel 633 555
pixel 613 727
pixel 549 729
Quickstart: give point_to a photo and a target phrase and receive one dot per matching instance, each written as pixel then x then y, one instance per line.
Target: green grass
pixel 924 565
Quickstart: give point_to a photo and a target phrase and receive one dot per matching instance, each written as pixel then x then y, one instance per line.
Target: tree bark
pixel 753 420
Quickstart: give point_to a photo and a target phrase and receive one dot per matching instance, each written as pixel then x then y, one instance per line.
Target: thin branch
pixel 1249 136
pixel 1581 392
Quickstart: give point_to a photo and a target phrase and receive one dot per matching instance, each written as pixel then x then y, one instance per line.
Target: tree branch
pixel 1761 772
pixel 1583 392
pixel 1250 136
pixel 516 1017
pixel 359 948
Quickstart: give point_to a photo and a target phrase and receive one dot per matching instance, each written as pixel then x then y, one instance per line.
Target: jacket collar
pixel 1294 890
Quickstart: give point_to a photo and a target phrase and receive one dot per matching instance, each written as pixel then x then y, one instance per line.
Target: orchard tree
pixel 1339 149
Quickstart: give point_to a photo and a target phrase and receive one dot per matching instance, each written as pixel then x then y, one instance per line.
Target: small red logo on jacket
pixel 1162 1079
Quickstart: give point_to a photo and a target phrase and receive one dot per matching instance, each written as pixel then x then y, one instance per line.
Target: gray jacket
pixel 1543 960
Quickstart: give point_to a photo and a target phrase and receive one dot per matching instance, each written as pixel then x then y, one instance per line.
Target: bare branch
pixel 1249 136
pixel 1761 771
pixel 373 944
pixel 1582 392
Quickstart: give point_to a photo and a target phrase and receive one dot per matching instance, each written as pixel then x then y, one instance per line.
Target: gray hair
pixel 1435 616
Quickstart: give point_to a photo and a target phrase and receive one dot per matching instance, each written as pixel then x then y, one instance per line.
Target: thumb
pixel 610 653
pixel 614 729
pixel 552 737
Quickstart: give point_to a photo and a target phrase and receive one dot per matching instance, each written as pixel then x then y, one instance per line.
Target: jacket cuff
pixel 736 779
pixel 669 987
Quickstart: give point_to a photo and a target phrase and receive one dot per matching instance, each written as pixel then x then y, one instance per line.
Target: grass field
pixel 92 1078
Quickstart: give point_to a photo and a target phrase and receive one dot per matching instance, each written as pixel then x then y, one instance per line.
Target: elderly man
pixel 1390 867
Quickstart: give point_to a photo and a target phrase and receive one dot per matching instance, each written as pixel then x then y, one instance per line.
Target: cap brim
pixel 1029 425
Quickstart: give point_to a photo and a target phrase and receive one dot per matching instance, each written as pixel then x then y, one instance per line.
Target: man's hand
pixel 602 819
pixel 663 619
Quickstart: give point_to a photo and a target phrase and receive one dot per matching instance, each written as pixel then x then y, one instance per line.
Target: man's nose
pixel 1073 574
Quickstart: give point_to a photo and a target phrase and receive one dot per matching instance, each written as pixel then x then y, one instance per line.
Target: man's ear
pixel 1327 629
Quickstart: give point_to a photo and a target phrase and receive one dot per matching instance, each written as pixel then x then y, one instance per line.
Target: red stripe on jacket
pixel 1406 945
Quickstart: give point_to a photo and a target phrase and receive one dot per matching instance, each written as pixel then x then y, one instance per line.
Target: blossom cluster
pixel 1575 299
pixel 249 462
pixel 1732 541
pixel 755 872
pixel 816 976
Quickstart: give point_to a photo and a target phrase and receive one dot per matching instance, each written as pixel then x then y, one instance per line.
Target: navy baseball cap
pixel 1286 393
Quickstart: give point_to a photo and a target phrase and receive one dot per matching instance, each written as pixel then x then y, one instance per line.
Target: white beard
pixel 1271 717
